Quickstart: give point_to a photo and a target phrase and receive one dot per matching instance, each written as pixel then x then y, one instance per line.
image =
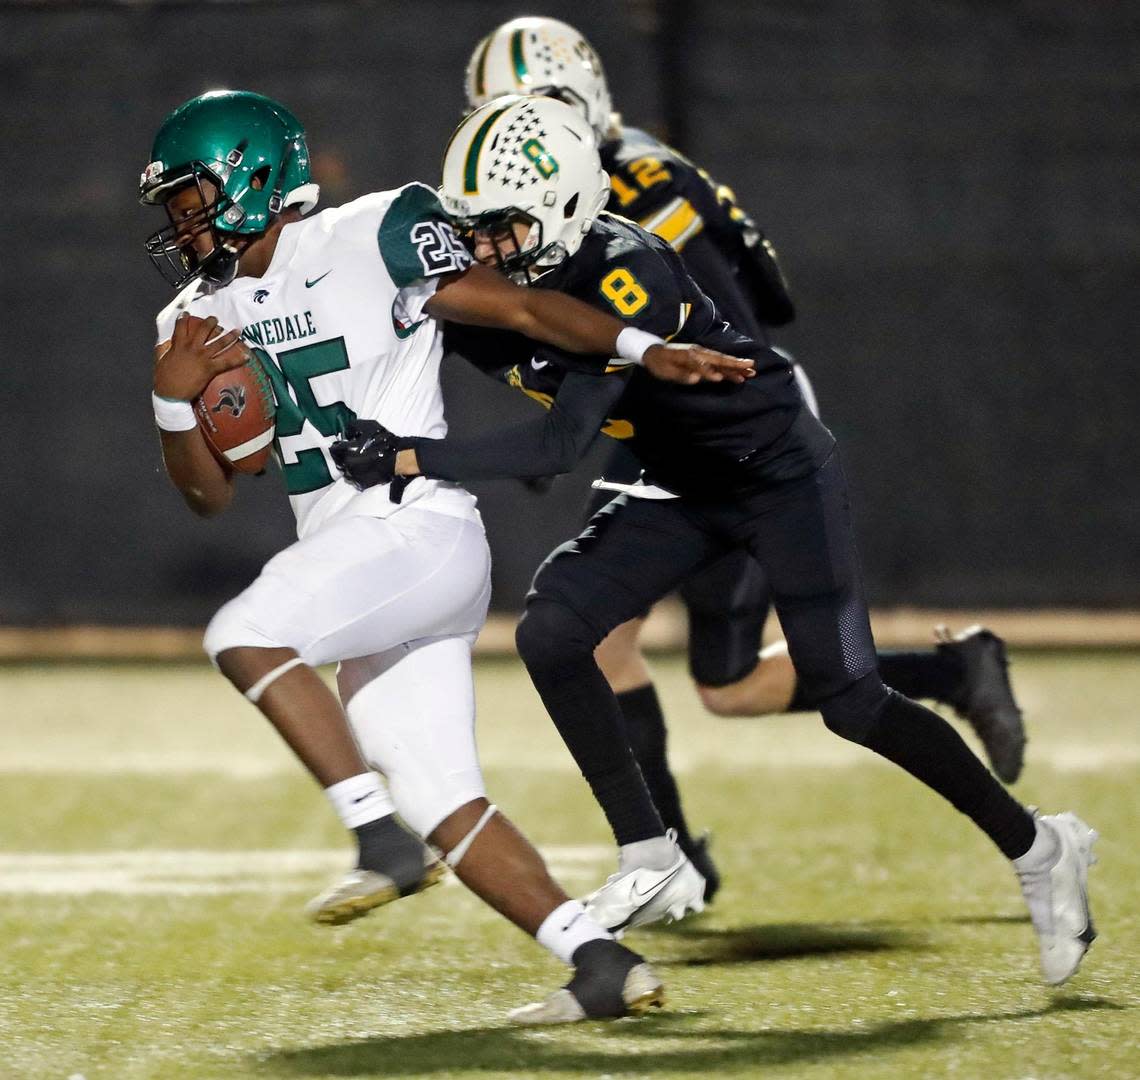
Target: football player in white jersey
pixel 339 309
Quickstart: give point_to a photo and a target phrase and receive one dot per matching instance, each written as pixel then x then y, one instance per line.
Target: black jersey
pixel 700 440
pixel 723 250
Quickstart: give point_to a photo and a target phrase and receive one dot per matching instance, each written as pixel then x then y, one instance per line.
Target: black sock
pixel 934 674
pixel 600 970
pixel 645 729
pixel 388 848
pixel 931 750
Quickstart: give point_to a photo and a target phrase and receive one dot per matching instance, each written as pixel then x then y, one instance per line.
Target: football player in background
pixel 735 264
pixel 728 466
pixel 340 310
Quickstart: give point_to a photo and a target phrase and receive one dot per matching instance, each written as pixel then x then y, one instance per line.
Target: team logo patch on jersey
pixel 260 296
pixel 231 398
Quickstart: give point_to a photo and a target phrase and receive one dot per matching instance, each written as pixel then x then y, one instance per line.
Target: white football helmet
pixel 533 55
pixel 530 160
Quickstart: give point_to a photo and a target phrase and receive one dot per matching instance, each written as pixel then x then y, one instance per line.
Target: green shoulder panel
pixel 416 238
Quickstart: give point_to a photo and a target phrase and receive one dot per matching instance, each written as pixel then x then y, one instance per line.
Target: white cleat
pixel 642 991
pixel 360 891
pixel 1058 899
pixel 639 896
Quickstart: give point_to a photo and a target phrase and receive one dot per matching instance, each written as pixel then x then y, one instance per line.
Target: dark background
pixel 952 185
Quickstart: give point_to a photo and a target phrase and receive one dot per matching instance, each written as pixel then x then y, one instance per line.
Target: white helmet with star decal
pixel 536 55
pixel 531 160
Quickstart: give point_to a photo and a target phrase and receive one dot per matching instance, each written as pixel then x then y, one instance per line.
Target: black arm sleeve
pixel 551 444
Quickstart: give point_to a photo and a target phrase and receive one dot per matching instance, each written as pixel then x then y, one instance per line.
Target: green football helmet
pixel 252 152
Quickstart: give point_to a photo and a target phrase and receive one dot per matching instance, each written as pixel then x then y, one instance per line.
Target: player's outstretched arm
pixel 481 297
pixel 551 444
pixel 183 366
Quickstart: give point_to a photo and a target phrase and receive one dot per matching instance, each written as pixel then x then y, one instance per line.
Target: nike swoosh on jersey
pixel 309 284
pixel 538 365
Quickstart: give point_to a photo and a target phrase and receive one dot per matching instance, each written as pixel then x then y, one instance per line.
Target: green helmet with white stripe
pixel 531 160
pixel 533 55
pixel 251 150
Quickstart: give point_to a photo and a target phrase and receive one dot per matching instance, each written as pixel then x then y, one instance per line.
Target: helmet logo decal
pixel 542 159
pixel 471 165
pixel 231 398
pixel 481 67
pixel 521 136
pixel 522 77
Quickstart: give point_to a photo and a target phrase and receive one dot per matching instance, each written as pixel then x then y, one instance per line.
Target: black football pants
pixel 727 601
pixel 635 551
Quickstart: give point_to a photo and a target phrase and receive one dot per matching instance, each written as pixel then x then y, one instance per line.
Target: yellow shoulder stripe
pixel 676 224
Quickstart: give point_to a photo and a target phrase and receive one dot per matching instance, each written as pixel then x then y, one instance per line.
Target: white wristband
pixel 172 415
pixel 633 343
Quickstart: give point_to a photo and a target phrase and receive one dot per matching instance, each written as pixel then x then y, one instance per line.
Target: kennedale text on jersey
pixel 275 331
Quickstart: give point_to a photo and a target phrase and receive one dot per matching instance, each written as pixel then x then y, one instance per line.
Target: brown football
pixel 236 413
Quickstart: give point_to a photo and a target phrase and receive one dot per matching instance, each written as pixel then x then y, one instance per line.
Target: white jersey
pixel 337 321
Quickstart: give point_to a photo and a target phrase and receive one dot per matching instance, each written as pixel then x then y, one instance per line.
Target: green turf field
pixel 158 845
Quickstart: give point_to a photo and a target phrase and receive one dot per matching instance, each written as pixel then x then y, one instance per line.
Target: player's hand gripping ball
pixel 230 391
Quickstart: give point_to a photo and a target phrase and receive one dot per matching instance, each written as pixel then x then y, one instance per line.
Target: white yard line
pixel 196 873
pixel 824 753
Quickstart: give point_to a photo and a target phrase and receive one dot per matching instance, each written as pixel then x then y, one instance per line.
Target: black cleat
pixel 985 698
pixel 609 981
pixel 698 853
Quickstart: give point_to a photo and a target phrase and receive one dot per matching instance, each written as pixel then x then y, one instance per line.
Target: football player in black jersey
pixel 727 466
pixel 736 266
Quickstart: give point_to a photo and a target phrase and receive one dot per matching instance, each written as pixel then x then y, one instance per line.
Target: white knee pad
pixel 412 710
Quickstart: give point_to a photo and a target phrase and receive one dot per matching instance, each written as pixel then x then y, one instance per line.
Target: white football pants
pixel 398 601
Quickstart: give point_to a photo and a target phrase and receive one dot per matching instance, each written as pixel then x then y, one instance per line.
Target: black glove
pixel 366 454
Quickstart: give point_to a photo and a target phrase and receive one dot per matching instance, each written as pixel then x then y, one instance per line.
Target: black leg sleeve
pixel 805 542
pixel 645 730
pixel 558 650
pixel 929 674
pixel 929 748
pixel 632 553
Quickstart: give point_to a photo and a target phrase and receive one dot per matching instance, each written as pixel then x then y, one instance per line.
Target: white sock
pixel 360 799
pixel 1042 853
pixel 567 927
pixel 656 853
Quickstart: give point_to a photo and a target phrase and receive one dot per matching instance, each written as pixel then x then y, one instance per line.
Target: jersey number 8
pixel 624 291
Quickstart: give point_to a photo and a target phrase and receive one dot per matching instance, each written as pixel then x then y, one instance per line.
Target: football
pixel 236 413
